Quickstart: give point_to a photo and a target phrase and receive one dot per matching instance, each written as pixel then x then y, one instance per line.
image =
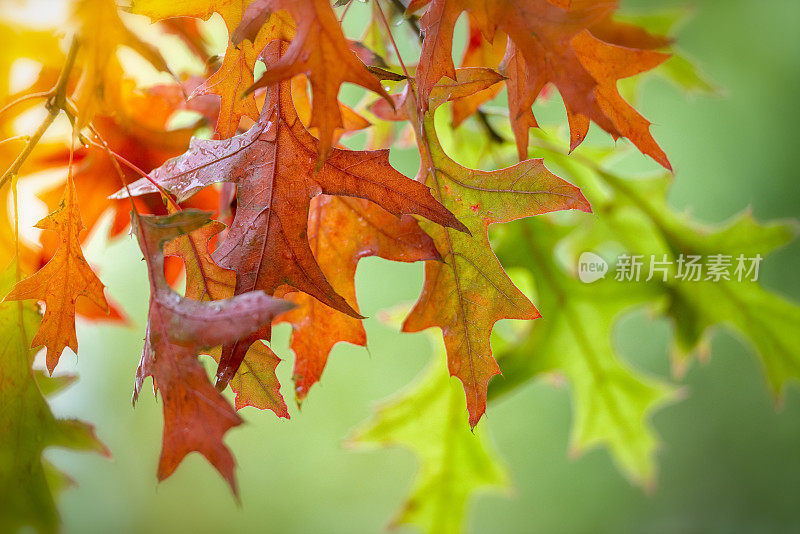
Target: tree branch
pixel 55 103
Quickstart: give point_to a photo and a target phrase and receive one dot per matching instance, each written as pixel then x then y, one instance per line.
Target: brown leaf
pixel 255 383
pixel 196 417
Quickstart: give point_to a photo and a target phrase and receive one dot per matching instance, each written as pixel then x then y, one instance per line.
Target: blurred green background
pixel 730 461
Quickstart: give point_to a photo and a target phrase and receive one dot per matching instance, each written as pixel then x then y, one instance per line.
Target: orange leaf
pixel 547 44
pixel 66 277
pixel 479 53
pixel 230 10
pixel 320 51
pixel 341 232
pixel 235 75
pixel 274 167
pixel 351 121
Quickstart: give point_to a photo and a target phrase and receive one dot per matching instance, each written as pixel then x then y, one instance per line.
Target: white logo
pixel 591 267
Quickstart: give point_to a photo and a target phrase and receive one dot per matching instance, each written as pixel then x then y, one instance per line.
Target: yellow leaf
pixel 101 32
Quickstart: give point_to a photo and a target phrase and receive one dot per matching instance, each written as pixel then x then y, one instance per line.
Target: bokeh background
pixel 730 460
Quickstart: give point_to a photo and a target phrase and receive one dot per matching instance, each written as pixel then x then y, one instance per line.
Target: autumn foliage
pixel 268 213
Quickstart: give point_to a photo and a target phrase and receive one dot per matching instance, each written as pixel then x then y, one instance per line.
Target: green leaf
pixel 430 419
pixel 644 223
pixel 678 69
pixel 612 401
pixel 575 333
pixel 682 71
pixel 28 427
pixel 468 292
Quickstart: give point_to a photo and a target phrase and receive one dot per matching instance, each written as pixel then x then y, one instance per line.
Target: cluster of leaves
pixel 279 240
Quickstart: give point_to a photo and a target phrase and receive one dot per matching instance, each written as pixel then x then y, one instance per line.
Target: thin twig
pixel 482 116
pixel 15 138
pixel 55 103
pixel 70 111
pixel 18 268
pixel 43 127
pixel 344 13
pixel 412 20
pixel 23 98
pixel 134 212
pixel 412 91
pixel 391 38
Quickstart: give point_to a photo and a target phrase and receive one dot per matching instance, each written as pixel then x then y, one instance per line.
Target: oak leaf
pixel 455 463
pixel 469 291
pixel 612 401
pixel 196 417
pixel 351 121
pixel 235 75
pixel 642 220
pixel 341 232
pixel 547 44
pixel 65 278
pixel 101 33
pixel 273 165
pixel 479 53
pixel 28 427
pixel 255 383
pixel 231 11
pixel 321 52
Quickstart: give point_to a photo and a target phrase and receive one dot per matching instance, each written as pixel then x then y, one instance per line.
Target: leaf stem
pixel 482 116
pixel 410 19
pixel 391 38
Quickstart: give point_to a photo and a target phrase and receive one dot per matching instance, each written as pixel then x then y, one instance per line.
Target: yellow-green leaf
pixel 28 427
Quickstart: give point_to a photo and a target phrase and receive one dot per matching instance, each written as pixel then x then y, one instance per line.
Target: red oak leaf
pixel 255 383
pixel 341 232
pixel 196 417
pixel 548 43
pixel 273 165
pixel 321 52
